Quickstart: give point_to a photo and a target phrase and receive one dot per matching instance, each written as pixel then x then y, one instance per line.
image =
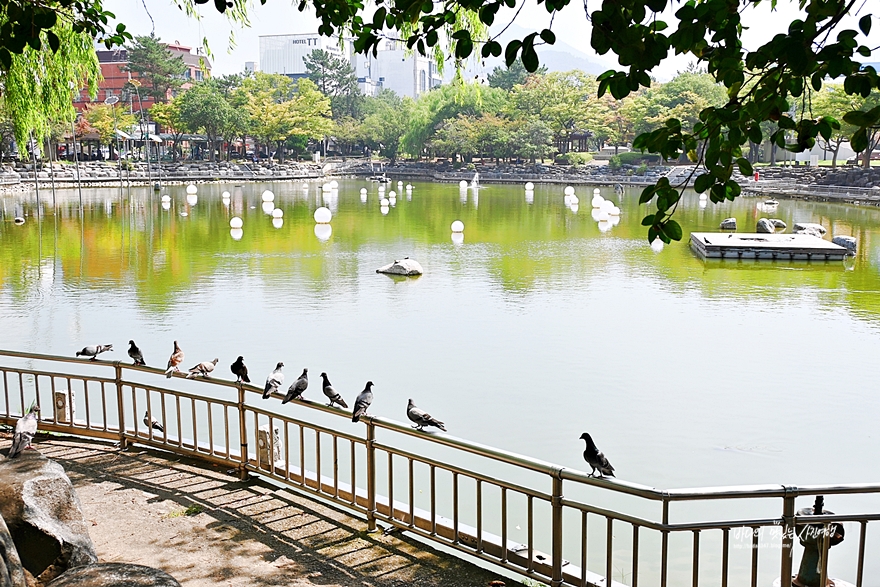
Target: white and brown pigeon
pixel 152 423
pixel 204 369
pixel 274 381
pixel 174 361
pixel 25 429
pixel 94 350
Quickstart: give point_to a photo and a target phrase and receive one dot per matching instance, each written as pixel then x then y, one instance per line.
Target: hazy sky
pixel 281 17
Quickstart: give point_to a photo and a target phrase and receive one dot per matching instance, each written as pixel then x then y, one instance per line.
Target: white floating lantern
pixel 392 200
pixel 384 209
pixel 530 186
pixel 268 207
pixel 165 206
pixel 457 238
pixel 166 198
pixel 363 191
pixel 184 214
pixel 597 201
pixel 326 187
pixel 323 215
pixel 277 213
pixel 268 196
pixel 567 199
pixel 334 185
pixel 615 220
pixel 596 191
pixel 604 215
pixel 615 211
pixel 400 183
pixel 323 232
pixel 305 187
pixel 363 197
pixel 236 234
pixel 595 214
pixel 607 206
pixel 704 196
pixel 574 200
pixel 657 245
pixel 463 184
pixel 569 190
pixel 458 226
pixel 278 222
pixel 604 226
pixel 409 187
pixel 574 208
pixel 225 195
pixel 235 222
pixel 191 189
pixel 192 199
pixel 384 202
pixel 392 194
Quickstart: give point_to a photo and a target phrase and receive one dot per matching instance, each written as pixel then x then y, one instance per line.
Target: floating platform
pixel 786 247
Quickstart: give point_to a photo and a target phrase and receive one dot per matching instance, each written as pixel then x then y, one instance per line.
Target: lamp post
pixel 111 102
pixel 135 84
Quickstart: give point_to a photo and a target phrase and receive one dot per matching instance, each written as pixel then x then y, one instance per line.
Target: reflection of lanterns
pixel 568 191
pixel 615 220
pixel 457 238
pixel 277 213
pixel 268 207
pixel 334 185
pixel 458 226
pixel 192 199
pixel 530 197
pixel 567 200
pixel 384 202
pixel 462 184
pixel 384 209
pixel 574 208
pixel 165 206
pixel 323 232
pixel 326 187
pixel 364 197
pixel 530 186
pixel 392 200
pixel 657 245
pixel 268 196
pixel 604 225
pixel 574 200
pixel 392 194
pixel 278 222
pixel 305 187
pixel 236 222
pixel 236 234
pixel 595 191
pixel 322 215
pixel 191 189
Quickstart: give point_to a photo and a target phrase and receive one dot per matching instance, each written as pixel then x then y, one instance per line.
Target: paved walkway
pixel 207 528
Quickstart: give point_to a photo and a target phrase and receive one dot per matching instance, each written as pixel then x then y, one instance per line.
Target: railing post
pixel 788 531
pixel 556 521
pixel 371 475
pixel 123 441
pixel 664 545
pixel 242 434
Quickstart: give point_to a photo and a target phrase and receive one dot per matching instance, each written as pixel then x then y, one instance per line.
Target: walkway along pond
pixel 450 491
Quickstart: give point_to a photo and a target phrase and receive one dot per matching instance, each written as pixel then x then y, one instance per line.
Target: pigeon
pixel 135 353
pixel 596 459
pixel 25 429
pixel 94 351
pixel 297 388
pixel 204 369
pixel 152 423
pixel 174 360
pixel 239 369
pixel 363 401
pixel 422 418
pixel 332 394
pixel 274 381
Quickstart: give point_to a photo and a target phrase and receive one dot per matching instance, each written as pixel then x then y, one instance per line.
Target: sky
pixel 281 17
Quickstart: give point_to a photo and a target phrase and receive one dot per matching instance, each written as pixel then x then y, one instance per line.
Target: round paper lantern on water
pixel 595 191
pixel 225 195
pixel 268 196
pixel 615 211
pixel 334 185
pixel 657 245
pixel 166 198
pixel 409 187
pixel 604 215
pixel 191 189
pixel 597 201
pixel 323 215
pixel 607 206
pixel 277 213
pixel 392 194
pixel 236 222
pixel 462 184
pixel 568 190
pixel 364 191
pixel 457 226
pixel 384 202
pixel 530 186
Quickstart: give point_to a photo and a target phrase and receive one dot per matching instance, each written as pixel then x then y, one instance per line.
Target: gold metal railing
pixel 446 490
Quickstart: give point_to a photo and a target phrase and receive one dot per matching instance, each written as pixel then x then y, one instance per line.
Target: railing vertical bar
pixel 192 403
pixel 134 411
pixel 257 439
pixel 635 561
pixel 242 434
pixel 286 450
pixel 479 515
pixel 120 407
pixel 371 475
pixel 412 510
pixel 455 507
pixel 755 532
pixel 529 529
pixel 725 556
pixel 433 501
pixel 70 398
pixel 39 403
pixel 556 531
pixel 52 397
pixel 6 394
pixel 823 560
pixel 179 422
pixel 103 406
pixel 335 466
pixel 609 550
pixel 225 430
pixel 353 473
pixel 302 455
pixel 861 564
pixel 271 451
pixel 504 524
pixel 149 422
pixel 391 485
pixel 164 418
pixel 695 566
pixel 664 546
pixel 788 531
pixel 210 407
pixel 584 515
pixel 21 391
pixel 318 458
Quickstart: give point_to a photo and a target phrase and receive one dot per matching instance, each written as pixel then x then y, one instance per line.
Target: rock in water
pixel 115 575
pixel 405 266
pixel 728 224
pixel 847 242
pixel 810 230
pixel 778 223
pixel 765 226
pixel 11 571
pixel 44 516
pixel 807 226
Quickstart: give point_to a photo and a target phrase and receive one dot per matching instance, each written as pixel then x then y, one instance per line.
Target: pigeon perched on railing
pixel 204 369
pixel 152 423
pixel 25 429
pixel 94 350
pixel 595 458
pixel 422 418
pixel 239 369
pixel 363 401
pixel 332 394
pixel 174 360
pixel 274 381
pixel 297 388
pixel 135 353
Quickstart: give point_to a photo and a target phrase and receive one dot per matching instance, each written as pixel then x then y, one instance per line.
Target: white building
pixel 392 68
pixel 284 53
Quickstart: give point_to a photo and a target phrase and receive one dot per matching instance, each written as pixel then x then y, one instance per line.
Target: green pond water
pixel 537 327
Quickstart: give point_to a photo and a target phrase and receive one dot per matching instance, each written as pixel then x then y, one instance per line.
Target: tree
pixel 515 75
pixel 558 98
pixel 168 116
pixel 386 122
pixel 161 72
pixel 336 79
pixel 105 120
pixel 203 107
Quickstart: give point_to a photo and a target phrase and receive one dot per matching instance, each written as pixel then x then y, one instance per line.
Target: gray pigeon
pixel 94 351
pixel 274 381
pixel 332 394
pixel 363 401
pixel 174 360
pixel 296 389
pixel 135 353
pixel 422 418
pixel 595 458
pixel 25 429
pixel 204 369
pixel 152 423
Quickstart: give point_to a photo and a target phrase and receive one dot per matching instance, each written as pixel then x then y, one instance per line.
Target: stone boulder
pixel 809 226
pixel 847 242
pixel 728 224
pixel 44 516
pixel 11 571
pixel 765 226
pixel 405 266
pixel 778 223
pixel 810 230
pixel 115 575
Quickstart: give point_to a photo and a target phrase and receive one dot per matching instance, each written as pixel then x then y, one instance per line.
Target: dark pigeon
pixel 596 459
pixel 25 429
pixel 239 369
pixel 152 423
pixel 135 353
pixel 297 388
pixel 363 401
pixel 274 381
pixel 422 418
pixel 332 394
pixel 94 350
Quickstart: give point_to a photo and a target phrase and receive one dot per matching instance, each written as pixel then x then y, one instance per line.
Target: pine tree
pixel 161 72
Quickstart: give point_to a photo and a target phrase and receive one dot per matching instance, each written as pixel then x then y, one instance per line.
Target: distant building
pixel 284 53
pixel 407 75
pixel 250 66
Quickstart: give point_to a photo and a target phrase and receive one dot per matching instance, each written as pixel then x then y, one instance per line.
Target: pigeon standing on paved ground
pixel 595 458
pixel 152 423
pixel 239 369
pixel 94 350
pixel 135 353
pixel 332 394
pixel 204 369
pixel 363 401
pixel 422 418
pixel 25 429
pixel 174 360
pixel 274 381
pixel 296 390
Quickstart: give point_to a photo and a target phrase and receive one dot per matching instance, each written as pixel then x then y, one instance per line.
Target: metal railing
pixel 448 491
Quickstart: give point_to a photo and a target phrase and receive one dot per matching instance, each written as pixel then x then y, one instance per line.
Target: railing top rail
pixel 511 458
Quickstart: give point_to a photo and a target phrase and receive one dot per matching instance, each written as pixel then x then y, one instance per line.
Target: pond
pixel 538 326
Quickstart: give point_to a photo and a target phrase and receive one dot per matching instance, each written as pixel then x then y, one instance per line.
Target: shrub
pixel 574 158
pixel 615 163
pixel 634 158
pixel 642 169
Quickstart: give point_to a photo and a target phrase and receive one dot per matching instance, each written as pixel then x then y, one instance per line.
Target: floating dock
pixel 786 247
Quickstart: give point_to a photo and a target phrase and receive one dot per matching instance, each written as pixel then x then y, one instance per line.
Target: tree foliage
pixel 514 75
pixel 205 108
pixel 335 78
pixel 161 71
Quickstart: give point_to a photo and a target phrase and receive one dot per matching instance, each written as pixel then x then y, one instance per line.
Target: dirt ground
pixel 207 529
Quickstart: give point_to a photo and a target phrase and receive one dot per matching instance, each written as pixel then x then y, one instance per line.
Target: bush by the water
pixel 575 158
pixel 634 158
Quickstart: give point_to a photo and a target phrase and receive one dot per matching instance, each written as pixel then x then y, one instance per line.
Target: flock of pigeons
pixel 27 425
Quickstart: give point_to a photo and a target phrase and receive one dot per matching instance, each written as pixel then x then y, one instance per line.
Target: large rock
pixel 847 242
pixel 765 226
pixel 44 516
pixel 778 223
pixel 405 266
pixel 728 224
pixel 11 571
pixel 115 575
pixel 810 230
pixel 809 226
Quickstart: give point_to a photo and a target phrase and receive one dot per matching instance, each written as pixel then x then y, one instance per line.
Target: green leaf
pixel 513 48
pixel 859 141
pixel 54 42
pixel 703 183
pixel 548 36
pixel 673 230
pixel 865 24
pixel 530 59
pixel 648 220
pixel 745 167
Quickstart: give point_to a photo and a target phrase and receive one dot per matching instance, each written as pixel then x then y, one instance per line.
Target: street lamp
pixel 111 102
